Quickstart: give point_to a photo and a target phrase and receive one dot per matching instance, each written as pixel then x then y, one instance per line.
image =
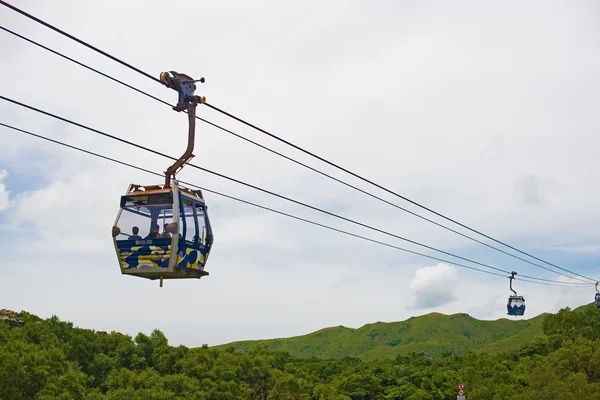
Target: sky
pixel 482 111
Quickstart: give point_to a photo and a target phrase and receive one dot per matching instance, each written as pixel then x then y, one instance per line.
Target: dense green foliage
pixel 433 334
pixel 51 359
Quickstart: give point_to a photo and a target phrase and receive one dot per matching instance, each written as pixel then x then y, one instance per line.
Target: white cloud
pixel 4 193
pixel 433 286
pixel 70 214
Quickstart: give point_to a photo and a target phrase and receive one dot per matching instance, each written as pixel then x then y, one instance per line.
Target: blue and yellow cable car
pixel 163 231
pixel 516 304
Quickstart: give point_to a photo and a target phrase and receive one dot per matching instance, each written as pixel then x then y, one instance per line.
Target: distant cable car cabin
pixel 597 299
pixel 516 304
pixel 163 231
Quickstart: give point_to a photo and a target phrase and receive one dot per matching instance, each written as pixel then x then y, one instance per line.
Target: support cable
pixel 553 283
pixel 289 158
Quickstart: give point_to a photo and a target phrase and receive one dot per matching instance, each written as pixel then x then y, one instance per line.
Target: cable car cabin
pixel 597 300
pixel 516 305
pixel 162 232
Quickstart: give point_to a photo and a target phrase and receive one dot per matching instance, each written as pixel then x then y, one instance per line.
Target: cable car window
pixel 516 303
pixel 191 224
pixel 145 217
pixel 138 200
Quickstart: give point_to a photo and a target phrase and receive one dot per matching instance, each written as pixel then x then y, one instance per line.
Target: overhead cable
pixel 524 278
pixel 139 146
pixel 78 40
pixel 294 160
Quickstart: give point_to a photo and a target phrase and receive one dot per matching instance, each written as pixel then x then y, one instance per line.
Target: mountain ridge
pixel 433 334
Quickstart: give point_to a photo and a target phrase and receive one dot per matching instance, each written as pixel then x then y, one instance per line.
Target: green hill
pixel 432 334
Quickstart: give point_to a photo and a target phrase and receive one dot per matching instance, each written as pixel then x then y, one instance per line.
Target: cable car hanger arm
pixel 185 87
pixel 187 155
pixel 511 279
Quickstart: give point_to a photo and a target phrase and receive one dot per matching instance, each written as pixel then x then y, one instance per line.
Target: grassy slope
pixel 525 336
pixel 432 334
pixel 514 342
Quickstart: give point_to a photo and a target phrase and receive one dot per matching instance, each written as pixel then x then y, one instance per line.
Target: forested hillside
pixel 52 359
pixel 433 334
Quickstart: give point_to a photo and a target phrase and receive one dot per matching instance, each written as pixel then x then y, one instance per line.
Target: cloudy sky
pixel 483 111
